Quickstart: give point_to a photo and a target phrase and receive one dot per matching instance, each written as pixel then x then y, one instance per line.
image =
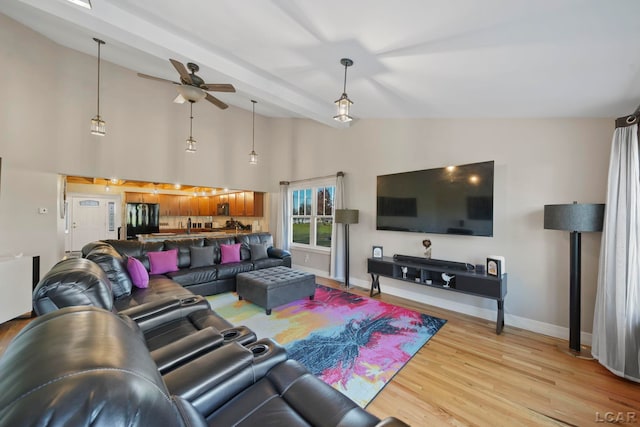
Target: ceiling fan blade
pixel 182 70
pixel 215 101
pixel 218 87
pixel 146 76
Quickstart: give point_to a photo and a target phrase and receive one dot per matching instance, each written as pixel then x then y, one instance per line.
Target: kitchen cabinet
pixel 236 204
pixel 188 205
pixel 169 204
pixel 140 197
pixel 203 206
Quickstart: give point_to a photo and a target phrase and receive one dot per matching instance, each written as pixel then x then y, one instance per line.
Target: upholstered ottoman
pixel 275 286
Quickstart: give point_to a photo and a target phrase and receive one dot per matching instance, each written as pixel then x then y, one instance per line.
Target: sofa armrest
pixel 214 378
pixel 155 313
pixel 278 253
pixel 391 422
pixel 187 348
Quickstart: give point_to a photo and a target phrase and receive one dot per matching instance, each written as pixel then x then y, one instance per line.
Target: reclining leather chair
pixel 82 366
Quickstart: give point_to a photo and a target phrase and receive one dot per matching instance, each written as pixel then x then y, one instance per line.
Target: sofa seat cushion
pixel 194 276
pixel 267 263
pixel 226 271
pixel 160 287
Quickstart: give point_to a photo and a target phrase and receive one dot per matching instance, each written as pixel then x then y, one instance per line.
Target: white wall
pixel 49 97
pixel 537 162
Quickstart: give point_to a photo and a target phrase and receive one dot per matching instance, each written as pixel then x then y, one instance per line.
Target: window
pixel 311 218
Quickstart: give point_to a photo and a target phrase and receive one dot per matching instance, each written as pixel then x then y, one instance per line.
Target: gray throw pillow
pixel 258 251
pixel 201 256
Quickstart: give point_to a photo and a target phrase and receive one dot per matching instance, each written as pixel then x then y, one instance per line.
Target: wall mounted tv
pixel 447 200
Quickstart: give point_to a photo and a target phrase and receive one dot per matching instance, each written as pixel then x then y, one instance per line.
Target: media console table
pixel 428 272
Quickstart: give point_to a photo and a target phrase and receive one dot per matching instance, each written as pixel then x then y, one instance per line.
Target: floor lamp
pixel 576 218
pixel 346 217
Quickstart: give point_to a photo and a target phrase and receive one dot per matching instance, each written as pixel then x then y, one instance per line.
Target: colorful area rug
pixel 353 343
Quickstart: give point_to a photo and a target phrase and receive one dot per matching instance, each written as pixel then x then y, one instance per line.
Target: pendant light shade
pixel 191 143
pixel 344 103
pixel 98 126
pixel 253 156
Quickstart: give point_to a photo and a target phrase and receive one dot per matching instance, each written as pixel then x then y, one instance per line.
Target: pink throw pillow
pixel 229 253
pixel 163 261
pixel 139 274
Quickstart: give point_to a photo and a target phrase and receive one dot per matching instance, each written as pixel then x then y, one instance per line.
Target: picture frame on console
pixel 494 267
pixel 376 252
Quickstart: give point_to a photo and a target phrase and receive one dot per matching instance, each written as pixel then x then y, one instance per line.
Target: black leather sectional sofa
pixel 85 366
pixel 105 353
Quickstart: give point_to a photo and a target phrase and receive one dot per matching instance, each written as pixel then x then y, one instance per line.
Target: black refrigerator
pixel 142 218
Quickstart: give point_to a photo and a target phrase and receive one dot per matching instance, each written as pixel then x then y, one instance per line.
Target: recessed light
pixel 82 3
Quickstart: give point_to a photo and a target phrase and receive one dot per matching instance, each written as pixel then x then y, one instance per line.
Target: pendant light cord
pixel 253 124
pixel 344 88
pixel 100 42
pixel 191 121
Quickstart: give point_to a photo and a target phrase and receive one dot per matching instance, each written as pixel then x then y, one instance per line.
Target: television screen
pixel 448 200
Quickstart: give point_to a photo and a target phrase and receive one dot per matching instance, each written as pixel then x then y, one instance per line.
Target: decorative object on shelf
pixel 494 267
pixel 253 156
pixel 447 279
pixel 376 252
pixel 344 103
pixel 576 218
pixel 98 126
pixel 346 217
pixel 404 271
pixel 191 143
pixel 427 248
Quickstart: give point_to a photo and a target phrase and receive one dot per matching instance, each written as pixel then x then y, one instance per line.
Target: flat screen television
pixel 447 200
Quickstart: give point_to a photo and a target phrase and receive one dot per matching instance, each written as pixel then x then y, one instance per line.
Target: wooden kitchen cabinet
pixel 203 206
pixel 254 204
pixel 169 204
pixel 236 204
pixel 140 197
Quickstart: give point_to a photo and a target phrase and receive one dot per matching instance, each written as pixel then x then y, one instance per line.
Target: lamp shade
pixel 582 217
pixel 346 216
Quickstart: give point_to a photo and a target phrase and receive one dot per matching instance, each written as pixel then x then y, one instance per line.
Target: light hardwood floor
pixel 467 375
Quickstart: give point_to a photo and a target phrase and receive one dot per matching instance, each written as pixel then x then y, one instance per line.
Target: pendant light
pixel 253 156
pixel 344 103
pixel 191 143
pixel 98 126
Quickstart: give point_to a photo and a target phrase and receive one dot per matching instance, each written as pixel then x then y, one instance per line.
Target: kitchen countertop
pixel 182 234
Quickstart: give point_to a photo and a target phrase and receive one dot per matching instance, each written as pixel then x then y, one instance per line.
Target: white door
pixel 91 219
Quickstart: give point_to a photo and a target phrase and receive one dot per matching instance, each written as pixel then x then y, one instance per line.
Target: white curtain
pixel 616 321
pixel 282 226
pixel 337 233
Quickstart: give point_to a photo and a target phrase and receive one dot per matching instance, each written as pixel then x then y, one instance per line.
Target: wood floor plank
pixel 466 375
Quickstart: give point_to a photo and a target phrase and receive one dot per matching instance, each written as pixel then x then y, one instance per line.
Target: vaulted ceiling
pixel 413 58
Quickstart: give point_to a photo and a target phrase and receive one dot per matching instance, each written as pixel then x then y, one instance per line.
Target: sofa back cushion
pixel 163 262
pixel 183 247
pixel 73 282
pixel 254 238
pixel 114 265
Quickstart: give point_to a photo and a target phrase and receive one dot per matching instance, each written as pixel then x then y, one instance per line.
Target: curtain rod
pixel 312 179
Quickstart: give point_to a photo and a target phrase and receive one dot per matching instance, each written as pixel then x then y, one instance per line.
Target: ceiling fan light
pixel 191 93
pixel 98 126
pixel 191 145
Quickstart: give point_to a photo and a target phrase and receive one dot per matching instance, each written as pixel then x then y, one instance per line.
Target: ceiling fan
pixel 191 87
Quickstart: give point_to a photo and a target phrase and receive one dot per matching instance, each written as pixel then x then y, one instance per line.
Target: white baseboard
pixel 483 313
